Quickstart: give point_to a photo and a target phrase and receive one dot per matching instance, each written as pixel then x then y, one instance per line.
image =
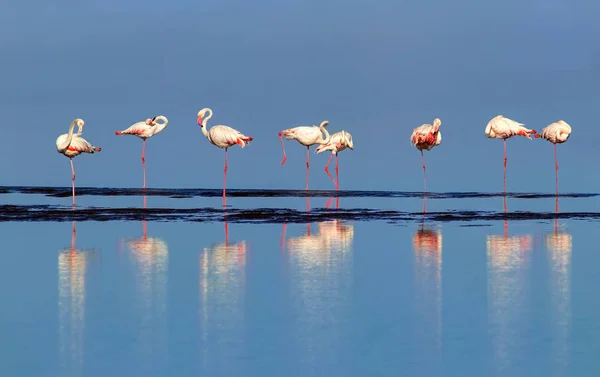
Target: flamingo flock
pixel 424 138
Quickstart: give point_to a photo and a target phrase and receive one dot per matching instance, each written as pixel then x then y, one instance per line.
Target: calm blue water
pixel 478 295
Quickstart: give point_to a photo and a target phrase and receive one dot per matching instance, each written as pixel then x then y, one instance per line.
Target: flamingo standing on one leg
pixel 337 143
pixel 426 137
pixel 307 136
pixel 145 130
pixel 556 133
pixel 504 128
pixel 222 137
pixel 72 145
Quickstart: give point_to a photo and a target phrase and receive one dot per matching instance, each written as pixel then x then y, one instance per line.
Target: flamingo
pixel 556 133
pixel 145 130
pixel 426 137
pixel 337 143
pixel 72 145
pixel 503 128
pixel 222 137
pixel 307 136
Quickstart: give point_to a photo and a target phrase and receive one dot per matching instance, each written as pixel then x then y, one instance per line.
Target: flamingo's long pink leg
pixel 327 171
pixel 424 169
pixel 337 175
pixel 556 164
pixel 225 174
pixel 226 233
pixel 144 161
pixel 73 180
pixel 282 148
pixel 505 165
pixel 328 202
pixel 307 165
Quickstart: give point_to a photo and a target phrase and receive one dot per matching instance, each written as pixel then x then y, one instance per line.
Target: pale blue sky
pixel 376 69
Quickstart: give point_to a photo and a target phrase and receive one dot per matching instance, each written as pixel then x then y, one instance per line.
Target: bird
pixel 72 145
pixel 337 143
pixel 145 130
pixel 556 133
pixel 426 137
pixel 222 137
pixel 503 128
pixel 307 136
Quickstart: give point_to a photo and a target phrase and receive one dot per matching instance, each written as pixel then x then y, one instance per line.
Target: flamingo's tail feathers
pixel 97 149
pixel 119 133
pixel 250 138
pixel 537 136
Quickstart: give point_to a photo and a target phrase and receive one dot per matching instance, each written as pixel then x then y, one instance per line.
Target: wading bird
pixel 426 137
pixel 145 130
pixel 72 145
pixel 504 128
pixel 222 137
pixel 337 143
pixel 556 133
pixel 307 136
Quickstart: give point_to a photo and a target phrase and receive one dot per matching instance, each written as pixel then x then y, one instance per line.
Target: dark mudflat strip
pixel 64 192
pixel 266 215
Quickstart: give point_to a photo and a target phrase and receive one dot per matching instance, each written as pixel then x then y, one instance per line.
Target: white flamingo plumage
pixel 72 145
pixel 425 137
pixel 503 128
pixel 307 136
pixel 556 133
pixel 337 143
pixel 145 130
pixel 222 137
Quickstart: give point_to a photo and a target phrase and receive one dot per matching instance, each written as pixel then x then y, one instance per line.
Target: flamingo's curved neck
pixel 327 136
pixel 205 121
pixel 161 126
pixel 70 137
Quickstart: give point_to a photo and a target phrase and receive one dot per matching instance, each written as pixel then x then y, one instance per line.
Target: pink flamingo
pixel 72 145
pixel 307 136
pixel 556 133
pixel 222 137
pixel 337 143
pixel 426 137
pixel 504 128
pixel 145 130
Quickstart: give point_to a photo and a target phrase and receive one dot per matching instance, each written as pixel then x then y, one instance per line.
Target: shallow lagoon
pixel 264 287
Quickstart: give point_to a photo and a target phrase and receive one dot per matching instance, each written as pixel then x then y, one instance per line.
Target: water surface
pixel 281 283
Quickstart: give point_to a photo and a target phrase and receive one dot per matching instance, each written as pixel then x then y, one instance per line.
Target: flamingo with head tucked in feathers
pixel 337 143
pixel 307 136
pixel 145 130
pixel 222 137
pixel 503 128
pixel 556 133
pixel 425 137
pixel 72 145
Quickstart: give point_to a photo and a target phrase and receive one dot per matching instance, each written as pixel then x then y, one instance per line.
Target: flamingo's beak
pixel 153 119
pixel 200 121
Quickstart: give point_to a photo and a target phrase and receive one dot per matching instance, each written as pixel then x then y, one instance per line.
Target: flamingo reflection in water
pixel 560 244
pixel 72 265
pixel 332 236
pixel 221 287
pixel 427 246
pixel 319 276
pixel 150 255
pixel 507 257
pixel 284 227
